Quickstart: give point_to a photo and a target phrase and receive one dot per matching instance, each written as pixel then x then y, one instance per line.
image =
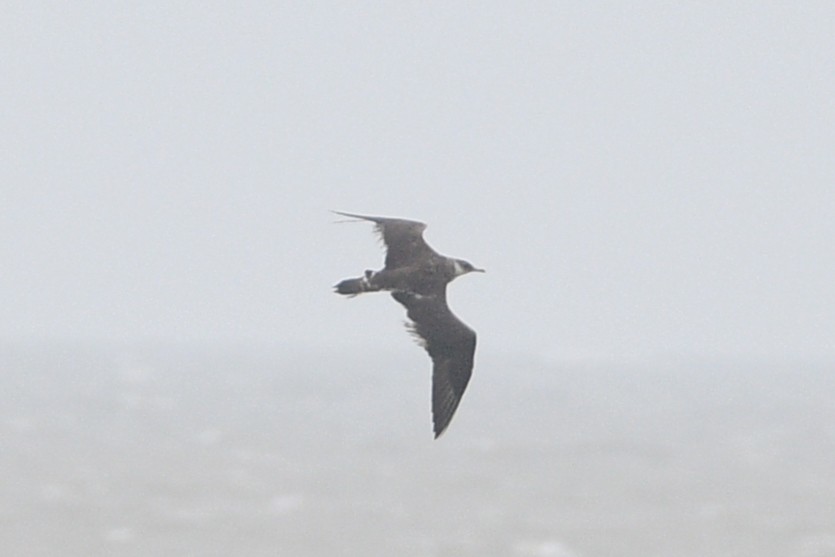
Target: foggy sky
pixel 638 181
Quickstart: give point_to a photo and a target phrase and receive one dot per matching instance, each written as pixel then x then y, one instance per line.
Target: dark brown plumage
pixel 417 276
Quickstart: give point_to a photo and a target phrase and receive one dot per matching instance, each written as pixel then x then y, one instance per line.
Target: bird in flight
pixel 416 275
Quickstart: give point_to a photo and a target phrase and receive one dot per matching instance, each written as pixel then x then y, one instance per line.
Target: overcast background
pixel 650 186
pixel 639 179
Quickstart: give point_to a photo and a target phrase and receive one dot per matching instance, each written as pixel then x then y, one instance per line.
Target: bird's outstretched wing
pixel 403 239
pixel 451 345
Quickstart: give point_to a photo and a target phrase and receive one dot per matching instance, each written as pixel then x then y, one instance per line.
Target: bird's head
pixel 463 267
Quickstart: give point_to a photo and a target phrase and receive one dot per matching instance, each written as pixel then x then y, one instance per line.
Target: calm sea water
pixel 189 451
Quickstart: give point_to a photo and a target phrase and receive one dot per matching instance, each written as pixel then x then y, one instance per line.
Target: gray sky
pixel 638 180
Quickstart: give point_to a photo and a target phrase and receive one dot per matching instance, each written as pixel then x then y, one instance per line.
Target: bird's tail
pixel 354 286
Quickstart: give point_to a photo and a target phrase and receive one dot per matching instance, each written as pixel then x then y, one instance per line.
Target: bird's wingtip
pixel 351 217
pixel 440 428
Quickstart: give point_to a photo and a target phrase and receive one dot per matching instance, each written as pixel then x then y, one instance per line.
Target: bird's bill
pixel 479 271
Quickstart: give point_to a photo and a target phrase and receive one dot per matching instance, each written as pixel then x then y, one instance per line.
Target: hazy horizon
pixel 649 186
pixel 641 181
pixel 209 452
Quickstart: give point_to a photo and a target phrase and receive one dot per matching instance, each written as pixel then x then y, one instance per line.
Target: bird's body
pixel 417 277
